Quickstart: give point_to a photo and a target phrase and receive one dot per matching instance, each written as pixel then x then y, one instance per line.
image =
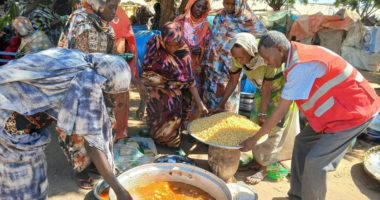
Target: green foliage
pixel 277 4
pixel 364 7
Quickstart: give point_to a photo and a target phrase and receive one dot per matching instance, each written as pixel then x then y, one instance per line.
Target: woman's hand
pixel 141 110
pixel 143 97
pixel 202 110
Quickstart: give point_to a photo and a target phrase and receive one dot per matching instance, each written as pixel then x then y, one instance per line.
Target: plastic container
pixel 139 27
pixel 142 37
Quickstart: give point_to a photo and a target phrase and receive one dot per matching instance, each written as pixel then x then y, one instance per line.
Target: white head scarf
pixel 249 43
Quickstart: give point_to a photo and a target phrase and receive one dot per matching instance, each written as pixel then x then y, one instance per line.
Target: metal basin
pixel 195 176
pixel 372 162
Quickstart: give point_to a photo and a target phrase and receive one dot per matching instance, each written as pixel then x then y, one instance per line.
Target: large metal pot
pixel 198 177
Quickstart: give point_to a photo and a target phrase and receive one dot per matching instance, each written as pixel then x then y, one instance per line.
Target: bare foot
pixel 257 177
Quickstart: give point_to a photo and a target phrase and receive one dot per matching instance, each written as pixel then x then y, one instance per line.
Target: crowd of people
pixel 67 73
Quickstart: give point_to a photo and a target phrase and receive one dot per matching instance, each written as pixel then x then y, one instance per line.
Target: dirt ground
pixel 349 181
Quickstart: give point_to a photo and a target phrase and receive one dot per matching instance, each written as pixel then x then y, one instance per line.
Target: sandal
pixel 85 183
pixel 92 169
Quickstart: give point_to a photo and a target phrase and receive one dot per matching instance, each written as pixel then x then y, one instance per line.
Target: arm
pixel 100 161
pixel 231 85
pixel 120 45
pixel 276 116
pixel 265 97
pixel 121 108
pixel 201 107
pixel 143 96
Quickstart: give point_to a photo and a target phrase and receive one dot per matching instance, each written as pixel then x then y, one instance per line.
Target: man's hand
pixel 249 143
pixel 262 120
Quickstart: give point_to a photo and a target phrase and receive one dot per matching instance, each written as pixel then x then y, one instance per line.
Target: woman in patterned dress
pixel 236 17
pixel 170 83
pixel 196 31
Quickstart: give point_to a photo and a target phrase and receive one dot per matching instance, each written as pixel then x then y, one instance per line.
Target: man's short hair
pixel 273 39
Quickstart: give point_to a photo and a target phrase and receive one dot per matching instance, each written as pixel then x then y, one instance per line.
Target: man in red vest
pixel 336 99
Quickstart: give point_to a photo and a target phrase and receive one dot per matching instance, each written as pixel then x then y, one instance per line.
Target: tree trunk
pixel 182 6
pixel 167 11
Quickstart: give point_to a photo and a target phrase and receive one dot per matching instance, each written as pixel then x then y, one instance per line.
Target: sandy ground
pixel 349 181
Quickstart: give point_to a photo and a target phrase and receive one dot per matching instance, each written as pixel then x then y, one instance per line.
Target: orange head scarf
pixel 190 18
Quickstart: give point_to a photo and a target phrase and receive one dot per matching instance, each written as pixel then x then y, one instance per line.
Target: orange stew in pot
pixel 165 190
pixel 170 190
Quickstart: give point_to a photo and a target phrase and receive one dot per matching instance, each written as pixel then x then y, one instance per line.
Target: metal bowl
pixel 175 159
pixel 98 189
pixel 195 176
pixel 261 140
pixel 372 162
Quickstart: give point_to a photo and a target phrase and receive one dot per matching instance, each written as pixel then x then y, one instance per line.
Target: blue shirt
pixel 301 78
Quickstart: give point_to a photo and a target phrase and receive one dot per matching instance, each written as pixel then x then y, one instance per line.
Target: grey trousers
pixel 315 154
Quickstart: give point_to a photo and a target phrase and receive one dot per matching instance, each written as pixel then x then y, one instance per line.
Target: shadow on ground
pixel 366 184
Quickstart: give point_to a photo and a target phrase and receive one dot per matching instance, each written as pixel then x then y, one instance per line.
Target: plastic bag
pixel 142 37
pixel 276 171
pixel 132 152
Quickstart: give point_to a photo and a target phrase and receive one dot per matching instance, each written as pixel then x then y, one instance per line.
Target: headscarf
pixel 189 16
pixel 122 27
pixel 249 43
pixel 23 26
pixel 195 31
pixel 171 32
pixel 174 70
pixel 84 19
pixel 225 26
pixel 42 18
pixel 68 85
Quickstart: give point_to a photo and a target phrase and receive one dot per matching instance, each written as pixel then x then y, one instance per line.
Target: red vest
pixel 339 100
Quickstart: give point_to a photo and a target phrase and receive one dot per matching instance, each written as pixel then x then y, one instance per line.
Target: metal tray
pixel 218 145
